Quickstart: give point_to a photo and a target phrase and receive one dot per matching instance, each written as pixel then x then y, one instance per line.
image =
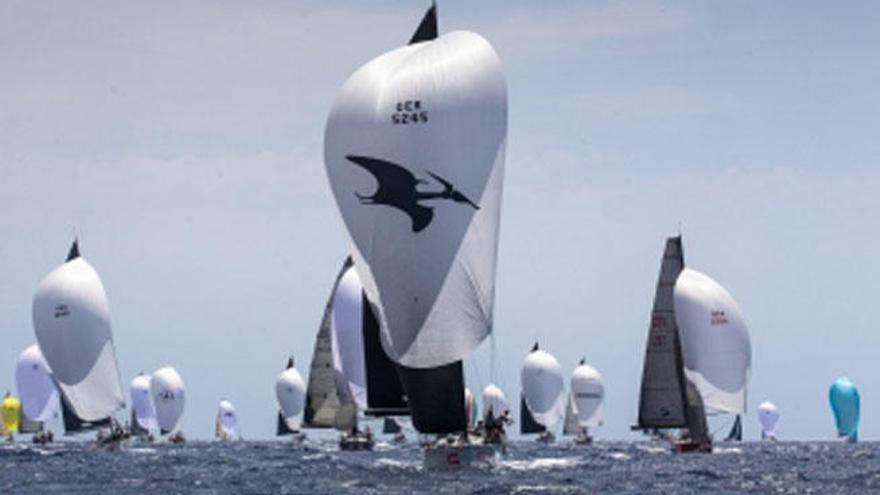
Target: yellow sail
pixel 11 414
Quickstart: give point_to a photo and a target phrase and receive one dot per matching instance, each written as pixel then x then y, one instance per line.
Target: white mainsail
pixel 414 151
pixel 495 401
pixel 347 336
pixel 227 420
pixel 290 390
pixel 543 388
pixel 715 341
pixel 36 390
pixel 142 402
pixel 587 394
pixel 169 398
pixel 72 324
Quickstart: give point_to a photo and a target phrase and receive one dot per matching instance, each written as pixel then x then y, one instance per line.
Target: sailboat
pixel 768 416
pixel 698 355
pixel 414 152
pixel 39 396
pixel 10 414
pixel 291 394
pixel 71 319
pixel 226 424
pixel 169 398
pixel 350 371
pixel 542 405
pixel 845 405
pixel 143 414
pixel 584 404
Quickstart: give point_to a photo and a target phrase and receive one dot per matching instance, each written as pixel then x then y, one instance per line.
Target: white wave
pixel 385 462
pixel 620 456
pixel 727 450
pixel 543 464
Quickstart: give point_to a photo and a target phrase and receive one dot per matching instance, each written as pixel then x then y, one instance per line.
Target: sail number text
pixel 409 112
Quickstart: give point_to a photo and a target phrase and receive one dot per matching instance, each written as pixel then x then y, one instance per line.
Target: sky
pixel 183 144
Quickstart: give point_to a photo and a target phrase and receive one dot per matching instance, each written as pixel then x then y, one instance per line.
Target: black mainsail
pixel 668 399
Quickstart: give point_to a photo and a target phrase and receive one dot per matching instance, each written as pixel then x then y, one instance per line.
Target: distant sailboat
pixel 584 405
pixel 169 398
pixel 543 394
pixel 290 390
pixel 226 424
pixel 72 325
pixel 10 413
pixel 845 405
pixel 143 413
pixel 414 151
pixel 768 416
pixel 698 354
pixel 494 401
pixel 39 396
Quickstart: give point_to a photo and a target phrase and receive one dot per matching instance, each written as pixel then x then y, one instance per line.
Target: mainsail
pixel 736 431
pixel 663 402
pixel 570 425
pixel 72 325
pixel 414 151
pixel 169 398
pixel 39 397
pixel 290 392
pixel 527 423
pixel 327 405
pixel 371 377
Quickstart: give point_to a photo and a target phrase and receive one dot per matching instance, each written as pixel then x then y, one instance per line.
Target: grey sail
pixel 667 398
pixel 571 426
pixel 136 429
pixel 27 425
pixel 327 404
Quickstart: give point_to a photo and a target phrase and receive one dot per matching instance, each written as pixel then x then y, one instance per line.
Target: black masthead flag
pixel 74 251
pixel 427 29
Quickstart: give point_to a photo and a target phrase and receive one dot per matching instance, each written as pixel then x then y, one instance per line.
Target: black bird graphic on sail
pixel 398 189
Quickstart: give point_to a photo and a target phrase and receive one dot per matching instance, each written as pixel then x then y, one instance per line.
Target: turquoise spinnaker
pixel 844 399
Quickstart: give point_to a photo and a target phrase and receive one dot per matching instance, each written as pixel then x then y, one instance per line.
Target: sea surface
pixel 282 467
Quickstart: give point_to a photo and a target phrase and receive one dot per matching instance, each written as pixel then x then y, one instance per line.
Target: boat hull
pixel 459 456
pixel 689 446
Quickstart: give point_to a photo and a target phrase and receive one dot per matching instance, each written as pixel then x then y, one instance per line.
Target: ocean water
pixel 281 467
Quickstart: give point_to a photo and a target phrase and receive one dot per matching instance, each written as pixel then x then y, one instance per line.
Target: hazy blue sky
pixel 183 143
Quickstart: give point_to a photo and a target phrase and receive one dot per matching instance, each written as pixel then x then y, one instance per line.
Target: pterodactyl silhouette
pixel 397 189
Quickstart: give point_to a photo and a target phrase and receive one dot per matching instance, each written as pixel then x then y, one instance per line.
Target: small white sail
pixel 414 151
pixel 36 390
pixel 543 388
pixel 142 402
pixel 169 398
pixel 715 341
pixel 227 421
pixel 495 401
pixel 290 390
pixel 72 324
pixel 348 337
pixel 587 394
pixel 768 416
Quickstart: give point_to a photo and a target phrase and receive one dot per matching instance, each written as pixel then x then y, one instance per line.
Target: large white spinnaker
pixel 543 387
pixel 715 341
pixel 142 403
pixel 169 398
pixel 414 151
pixel 71 319
pixel 290 390
pixel 36 390
pixel 347 336
pixel 495 401
pixel 587 394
